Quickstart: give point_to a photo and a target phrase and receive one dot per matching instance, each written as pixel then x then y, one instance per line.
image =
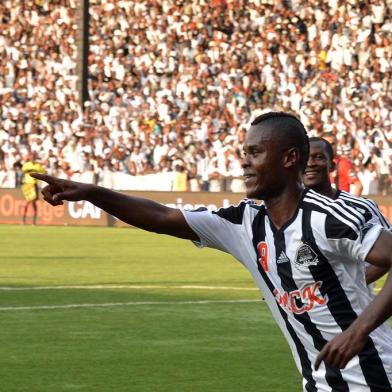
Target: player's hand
pixel 341 349
pixel 58 190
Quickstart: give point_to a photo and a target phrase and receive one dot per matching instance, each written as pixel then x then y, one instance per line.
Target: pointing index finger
pixel 44 177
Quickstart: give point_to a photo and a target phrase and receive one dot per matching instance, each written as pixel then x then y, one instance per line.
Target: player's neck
pixel 283 207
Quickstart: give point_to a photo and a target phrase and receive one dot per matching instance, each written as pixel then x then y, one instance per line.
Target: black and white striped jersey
pixel 311 274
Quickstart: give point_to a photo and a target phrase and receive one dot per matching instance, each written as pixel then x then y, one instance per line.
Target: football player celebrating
pixel 302 249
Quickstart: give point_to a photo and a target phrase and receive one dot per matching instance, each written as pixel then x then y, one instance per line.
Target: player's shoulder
pixel 365 206
pixel 335 209
pixel 324 203
pixel 357 201
pixel 27 165
pixel 236 213
pixel 38 166
pixel 242 205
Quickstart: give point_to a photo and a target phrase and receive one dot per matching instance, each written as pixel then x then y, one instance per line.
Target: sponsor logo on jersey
pixel 282 258
pixel 305 256
pixel 301 301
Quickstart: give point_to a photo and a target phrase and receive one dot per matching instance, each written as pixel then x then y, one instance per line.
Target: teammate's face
pixel 319 166
pixel 262 163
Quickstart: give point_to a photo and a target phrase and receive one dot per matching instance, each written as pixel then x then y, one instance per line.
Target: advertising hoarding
pixel 83 213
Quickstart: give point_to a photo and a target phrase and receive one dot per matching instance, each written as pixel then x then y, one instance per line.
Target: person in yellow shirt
pixel 180 179
pixel 30 185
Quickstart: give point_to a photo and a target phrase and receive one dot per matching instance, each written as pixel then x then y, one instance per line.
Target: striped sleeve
pixel 222 229
pixel 356 243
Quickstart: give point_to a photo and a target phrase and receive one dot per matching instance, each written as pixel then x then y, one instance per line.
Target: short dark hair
pixel 328 145
pixel 293 131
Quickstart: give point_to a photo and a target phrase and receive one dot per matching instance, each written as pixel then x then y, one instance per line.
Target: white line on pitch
pixel 141 303
pixel 124 286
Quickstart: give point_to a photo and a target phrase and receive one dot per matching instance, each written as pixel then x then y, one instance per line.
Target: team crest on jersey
pixel 305 256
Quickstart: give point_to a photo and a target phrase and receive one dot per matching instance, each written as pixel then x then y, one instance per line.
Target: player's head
pixel 276 151
pixel 320 164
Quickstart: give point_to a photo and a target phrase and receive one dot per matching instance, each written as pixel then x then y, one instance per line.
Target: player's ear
pixel 291 157
pixel 332 165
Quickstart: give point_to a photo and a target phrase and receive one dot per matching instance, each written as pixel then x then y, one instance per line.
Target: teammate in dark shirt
pixel 293 246
pixel 317 177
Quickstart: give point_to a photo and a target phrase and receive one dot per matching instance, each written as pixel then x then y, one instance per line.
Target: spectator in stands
pixel 382 158
pixel 344 176
pixel 215 176
pixel 172 73
pixel 4 182
pixel 369 179
pixel 180 179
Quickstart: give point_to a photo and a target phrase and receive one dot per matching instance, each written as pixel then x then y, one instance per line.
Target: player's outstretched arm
pixel 136 211
pixel 349 343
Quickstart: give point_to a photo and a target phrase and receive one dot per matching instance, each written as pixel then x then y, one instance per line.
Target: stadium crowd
pixel 174 85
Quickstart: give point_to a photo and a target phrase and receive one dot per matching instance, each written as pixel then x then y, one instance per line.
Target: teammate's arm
pixel 349 343
pixel 136 211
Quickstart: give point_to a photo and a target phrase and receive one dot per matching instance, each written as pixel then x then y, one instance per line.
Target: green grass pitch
pixel 104 309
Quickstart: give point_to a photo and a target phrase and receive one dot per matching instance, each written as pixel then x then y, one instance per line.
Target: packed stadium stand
pixel 173 85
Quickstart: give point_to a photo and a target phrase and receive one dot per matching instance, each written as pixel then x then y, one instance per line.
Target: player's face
pixel 319 166
pixel 262 163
